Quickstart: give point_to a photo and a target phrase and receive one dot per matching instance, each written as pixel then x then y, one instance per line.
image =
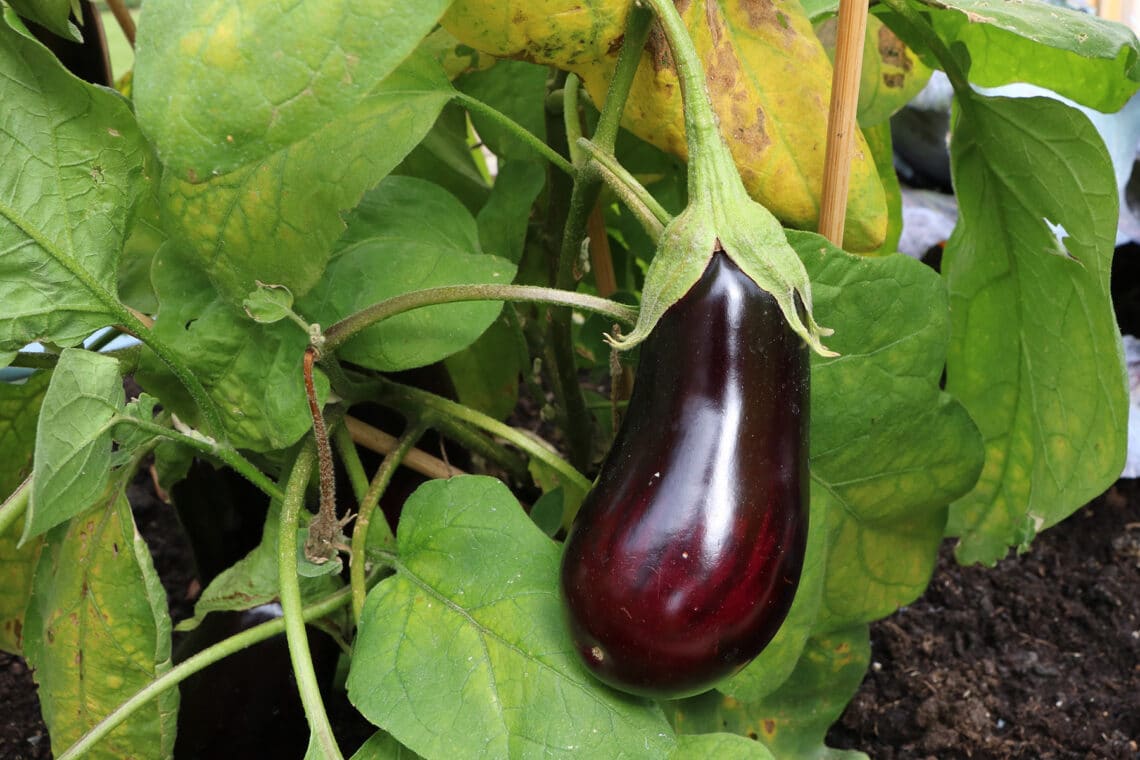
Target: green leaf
pixel 721 746
pixel 73 170
pixel 462 653
pixel 408 234
pixel 445 158
pixel 1036 354
pixel 889 449
pixel 793 721
pixel 276 219
pixel 53 15
pixel 1090 60
pixel 504 219
pixel 252 371
pixel 381 746
pixel 73 438
pixel 97 631
pixel 252 580
pixel 486 373
pixel 222 85
pixel 882 148
pixel 516 89
pixel 268 303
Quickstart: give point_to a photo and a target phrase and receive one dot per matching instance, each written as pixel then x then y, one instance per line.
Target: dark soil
pixel 1038 658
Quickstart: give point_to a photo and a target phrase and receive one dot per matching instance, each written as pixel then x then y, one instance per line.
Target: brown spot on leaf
pixel 115 548
pixel 191 176
pixel 615 45
pixel 682 5
pixel 659 54
pixel 769 726
pixel 761 13
pixel 892 51
pixel 712 20
pixel 893 80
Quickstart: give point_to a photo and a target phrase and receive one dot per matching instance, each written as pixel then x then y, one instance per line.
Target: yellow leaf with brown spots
pixel 770 80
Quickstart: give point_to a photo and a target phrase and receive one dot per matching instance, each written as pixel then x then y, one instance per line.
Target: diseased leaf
pixel 1036 354
pixel 73 438
pixel 224 85
pixel 462 653
pixel 235 358
pixel 891 74
pixel 770 85
pixel 98 630
pixel 1088 59
pixel 275 219
pixel 408 234
pixel 19 410
pixel 793 721
pixel 73 171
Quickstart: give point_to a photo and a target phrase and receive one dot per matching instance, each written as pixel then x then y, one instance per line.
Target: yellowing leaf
pixel 770 82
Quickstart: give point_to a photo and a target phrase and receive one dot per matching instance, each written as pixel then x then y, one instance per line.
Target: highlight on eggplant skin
pixel 686 555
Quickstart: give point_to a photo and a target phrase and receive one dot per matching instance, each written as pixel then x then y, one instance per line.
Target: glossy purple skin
pixel 685 557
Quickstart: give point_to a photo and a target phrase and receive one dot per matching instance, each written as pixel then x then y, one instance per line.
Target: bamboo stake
pixel 841 118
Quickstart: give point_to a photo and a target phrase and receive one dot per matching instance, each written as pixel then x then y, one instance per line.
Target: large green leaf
pixel 72 158
pixel 407 234
pixel 54 15
pixel 793 721
pixel 276 218
pixel 1088 59
pixel 19 410
pixel 1036 354
pixel 73 438
pixel 252 371
pixel 221 85
pixel 889 449
pixel 504 219
pixel 97 630
pixel 721 746
pixel 462 653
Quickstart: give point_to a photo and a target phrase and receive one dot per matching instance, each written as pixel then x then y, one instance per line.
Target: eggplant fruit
pixel 685 556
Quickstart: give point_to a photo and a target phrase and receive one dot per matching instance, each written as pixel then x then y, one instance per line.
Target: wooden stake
pixel 841 117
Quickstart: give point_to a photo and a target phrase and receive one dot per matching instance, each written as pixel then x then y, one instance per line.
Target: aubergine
pixel 685 556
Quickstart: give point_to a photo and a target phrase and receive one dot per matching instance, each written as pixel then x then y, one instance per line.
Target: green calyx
pixel 720 216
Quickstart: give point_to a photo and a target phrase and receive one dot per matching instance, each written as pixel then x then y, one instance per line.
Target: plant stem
pixel 324 528
pixel 200 661
pixel 571 118
pixel 342 437
pixel 640 201
pixel 222 452
pixel 522 439
pixel 14 507
pixel 291 608
pixel 712 170
pixel 636 33
pixel 841 127
pixel 123 16
pixel 338 333
pixel 521 133
pixel 368 506
pixel 380 442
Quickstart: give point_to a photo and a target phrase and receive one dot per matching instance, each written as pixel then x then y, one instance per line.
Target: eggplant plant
pixel 318 248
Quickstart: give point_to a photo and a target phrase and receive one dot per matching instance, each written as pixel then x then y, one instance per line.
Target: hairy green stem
pixel 571 119
pixel 368 506
pixel 711 165
pixel 291 607
pixel 338 333
pixel 521 439
pixel 350 458
pixel 14 507
pixel 517 130
pixel 636 33
pixel 200 661
pixel 633 194
pixel 222 452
